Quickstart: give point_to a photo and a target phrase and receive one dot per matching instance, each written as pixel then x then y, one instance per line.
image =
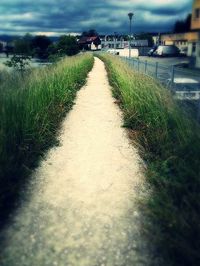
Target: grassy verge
pixel 169 142
pixel 31 110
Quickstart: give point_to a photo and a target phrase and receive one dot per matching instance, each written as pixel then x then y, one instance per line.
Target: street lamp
pixel 130 15
pixel 115 37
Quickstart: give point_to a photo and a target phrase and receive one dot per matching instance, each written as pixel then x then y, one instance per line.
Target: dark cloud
pixel 106 16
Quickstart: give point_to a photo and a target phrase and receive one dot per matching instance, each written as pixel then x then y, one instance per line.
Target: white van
pixel 167 50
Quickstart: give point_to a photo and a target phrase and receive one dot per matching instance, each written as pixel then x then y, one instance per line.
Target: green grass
pixel 169 142
pixel 31 110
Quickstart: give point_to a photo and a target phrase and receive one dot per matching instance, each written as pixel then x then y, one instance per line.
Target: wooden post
pixel 198 111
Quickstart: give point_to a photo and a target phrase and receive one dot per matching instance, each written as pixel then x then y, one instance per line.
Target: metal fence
pixel 183 83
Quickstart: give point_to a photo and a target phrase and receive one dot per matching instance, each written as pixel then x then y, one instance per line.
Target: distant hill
pixel 9 38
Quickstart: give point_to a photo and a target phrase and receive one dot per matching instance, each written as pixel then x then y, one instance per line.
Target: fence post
pixel 172 77
pixel 145 67
pixel 138 65
pixel 198 111
pixel 133 62
pixel 156 70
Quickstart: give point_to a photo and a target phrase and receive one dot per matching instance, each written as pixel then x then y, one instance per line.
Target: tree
pixel 40 45
pixel 126 37
pixel 9 49
pixel 90 33
pixel 22 50
pixel 22 47
pixel 52 49
pixel 145 36
pixel 67 45
pixel 53 54
pixel 182 26
pixel 18 62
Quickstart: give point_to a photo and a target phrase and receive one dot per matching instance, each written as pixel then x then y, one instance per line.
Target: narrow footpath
pixel 81 209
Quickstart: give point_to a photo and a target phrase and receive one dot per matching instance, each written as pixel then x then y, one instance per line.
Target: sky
pixel 57 17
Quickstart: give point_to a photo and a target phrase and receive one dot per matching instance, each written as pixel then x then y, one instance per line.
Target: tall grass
pixel 169 142
pixel 31 109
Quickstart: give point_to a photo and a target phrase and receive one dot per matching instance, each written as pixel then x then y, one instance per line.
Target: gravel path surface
pixel 80 208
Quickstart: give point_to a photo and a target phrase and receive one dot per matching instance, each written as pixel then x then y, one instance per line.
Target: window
pixel 197 13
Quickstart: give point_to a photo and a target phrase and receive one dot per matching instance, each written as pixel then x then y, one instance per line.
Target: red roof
pixel 88 39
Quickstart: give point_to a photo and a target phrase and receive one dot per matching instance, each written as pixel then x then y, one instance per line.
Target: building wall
pixel 121 44
pixel 94 47
pixel 190 49
pixel 195 25
pixel 186 41
pixel 112 44
pixel 179 37
pixel 196 15
pixel 198 55
pixel 156 39
pixel 189 40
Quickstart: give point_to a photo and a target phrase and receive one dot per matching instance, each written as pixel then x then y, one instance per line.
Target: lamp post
pixel 130 15
pixel 115 34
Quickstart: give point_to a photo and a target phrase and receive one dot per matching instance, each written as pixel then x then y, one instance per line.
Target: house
pixel 120 42
pixel 184 41
pixel 196 15
pixel 188 41
pixel 89 43
pixel 112 42
pixel 195 25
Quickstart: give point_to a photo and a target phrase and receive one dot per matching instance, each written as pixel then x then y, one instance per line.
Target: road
pixel 167 61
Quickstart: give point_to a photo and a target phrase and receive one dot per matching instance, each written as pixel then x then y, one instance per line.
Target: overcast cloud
pixel 54 17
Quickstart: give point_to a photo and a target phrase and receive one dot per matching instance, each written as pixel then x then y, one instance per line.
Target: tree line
pixel 43 47
pixel 40 46
pixel 184 25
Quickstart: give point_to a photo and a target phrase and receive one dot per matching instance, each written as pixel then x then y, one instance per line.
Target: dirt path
pixel 80 210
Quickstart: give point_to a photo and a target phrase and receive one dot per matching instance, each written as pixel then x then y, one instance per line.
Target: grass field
pixel 169 142
pixel 31 110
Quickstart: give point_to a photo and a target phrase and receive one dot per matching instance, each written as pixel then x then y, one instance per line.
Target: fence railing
pixel 183 83
pixel 175 78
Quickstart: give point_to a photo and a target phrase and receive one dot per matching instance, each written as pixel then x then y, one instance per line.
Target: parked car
pixel 167 50
pixel 151 51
